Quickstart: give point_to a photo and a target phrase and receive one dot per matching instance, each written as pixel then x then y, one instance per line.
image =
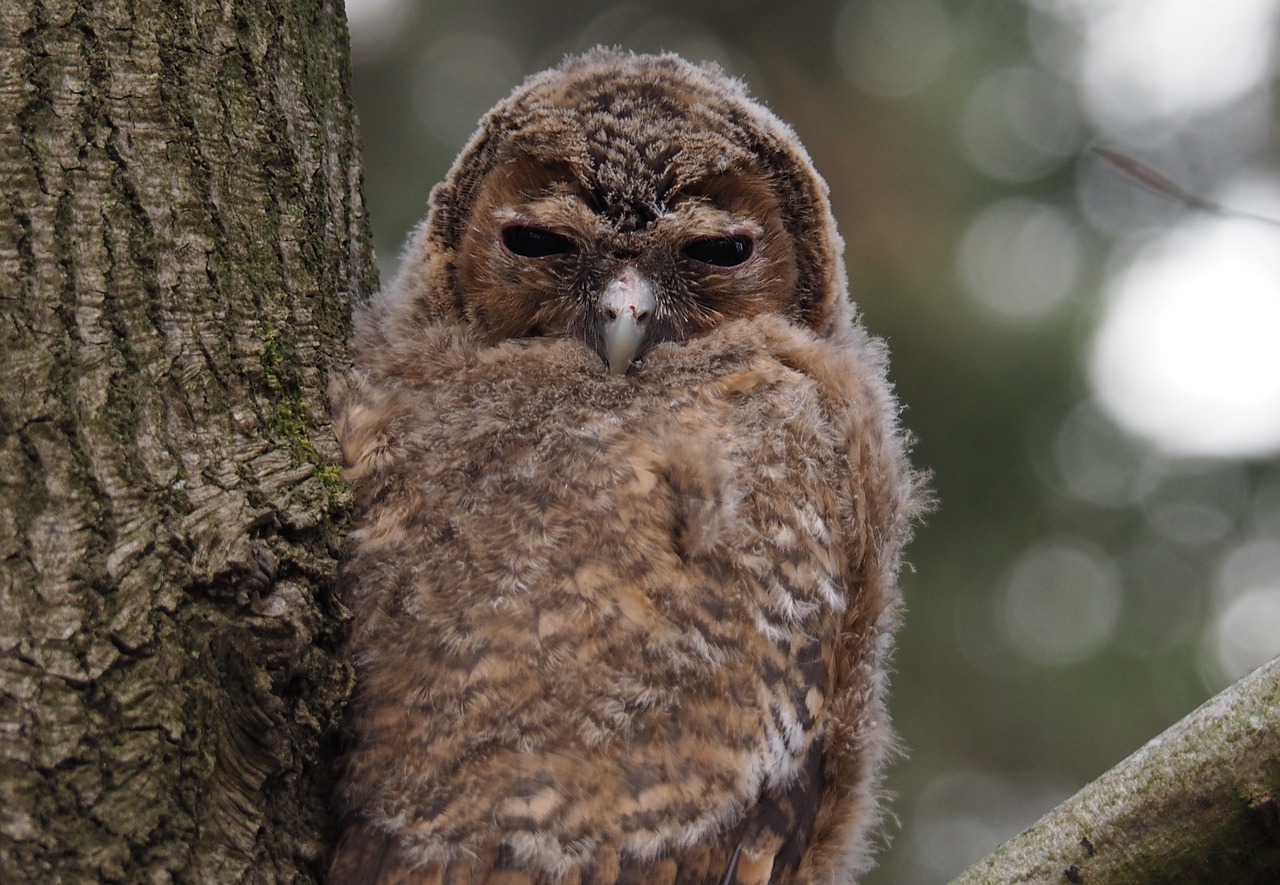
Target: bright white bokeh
pixel 1019 259
pixel 1145 61
pixel 1187 353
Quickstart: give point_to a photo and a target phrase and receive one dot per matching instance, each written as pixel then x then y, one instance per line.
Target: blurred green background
pixel 1092 371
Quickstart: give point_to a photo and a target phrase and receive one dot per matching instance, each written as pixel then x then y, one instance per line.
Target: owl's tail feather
pixel 773 838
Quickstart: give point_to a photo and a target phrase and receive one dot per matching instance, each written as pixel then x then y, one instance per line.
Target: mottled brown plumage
pixel 630 497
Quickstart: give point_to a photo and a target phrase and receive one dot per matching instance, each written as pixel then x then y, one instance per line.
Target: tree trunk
pixel 1199 803
pixel 181 234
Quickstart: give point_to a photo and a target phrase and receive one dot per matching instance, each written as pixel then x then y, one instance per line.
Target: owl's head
pixel 625 200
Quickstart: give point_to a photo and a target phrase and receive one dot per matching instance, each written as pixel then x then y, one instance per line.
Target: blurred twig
pixel 1153 180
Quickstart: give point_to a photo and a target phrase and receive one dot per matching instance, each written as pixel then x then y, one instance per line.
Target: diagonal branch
pixel 1199 803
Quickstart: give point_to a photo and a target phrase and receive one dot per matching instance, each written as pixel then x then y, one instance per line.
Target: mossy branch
pixel 1199 803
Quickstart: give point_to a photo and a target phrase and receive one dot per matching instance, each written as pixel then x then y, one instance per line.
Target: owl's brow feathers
pixel 706 126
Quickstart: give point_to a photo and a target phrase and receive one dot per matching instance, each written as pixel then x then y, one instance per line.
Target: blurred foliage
pixel 1073 594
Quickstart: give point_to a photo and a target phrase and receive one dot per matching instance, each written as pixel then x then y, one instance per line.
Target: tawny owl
pixel 630 501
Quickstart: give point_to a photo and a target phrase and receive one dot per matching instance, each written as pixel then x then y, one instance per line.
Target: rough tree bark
pixel 1199 803
pixel 181 232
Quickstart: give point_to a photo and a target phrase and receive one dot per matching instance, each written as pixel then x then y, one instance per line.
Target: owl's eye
pixel 528 241
pixel 721 251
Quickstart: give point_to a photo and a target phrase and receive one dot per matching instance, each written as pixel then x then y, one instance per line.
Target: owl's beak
pixel 626 305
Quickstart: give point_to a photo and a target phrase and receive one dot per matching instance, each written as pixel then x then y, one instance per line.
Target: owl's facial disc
pixel 626 306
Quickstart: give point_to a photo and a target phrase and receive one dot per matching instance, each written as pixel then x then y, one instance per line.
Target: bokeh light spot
pixel 1245 635
pixel 1148 60
pixel 1019 259
pixel 1188 350
pixel 1245 630
pixel 1019 124
pixel 1061 601
pixel 1197 505
pixel 1095 462
pixel 1164 599
pixel 375 25
pixel 965 813
pixel 892 48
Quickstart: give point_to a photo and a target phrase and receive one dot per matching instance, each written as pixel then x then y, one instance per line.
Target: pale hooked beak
pixel 626 306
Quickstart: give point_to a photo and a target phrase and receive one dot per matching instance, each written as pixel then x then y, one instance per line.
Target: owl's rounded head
pixel 625 200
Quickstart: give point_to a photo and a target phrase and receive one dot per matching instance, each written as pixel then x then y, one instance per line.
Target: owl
pixel 631 496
